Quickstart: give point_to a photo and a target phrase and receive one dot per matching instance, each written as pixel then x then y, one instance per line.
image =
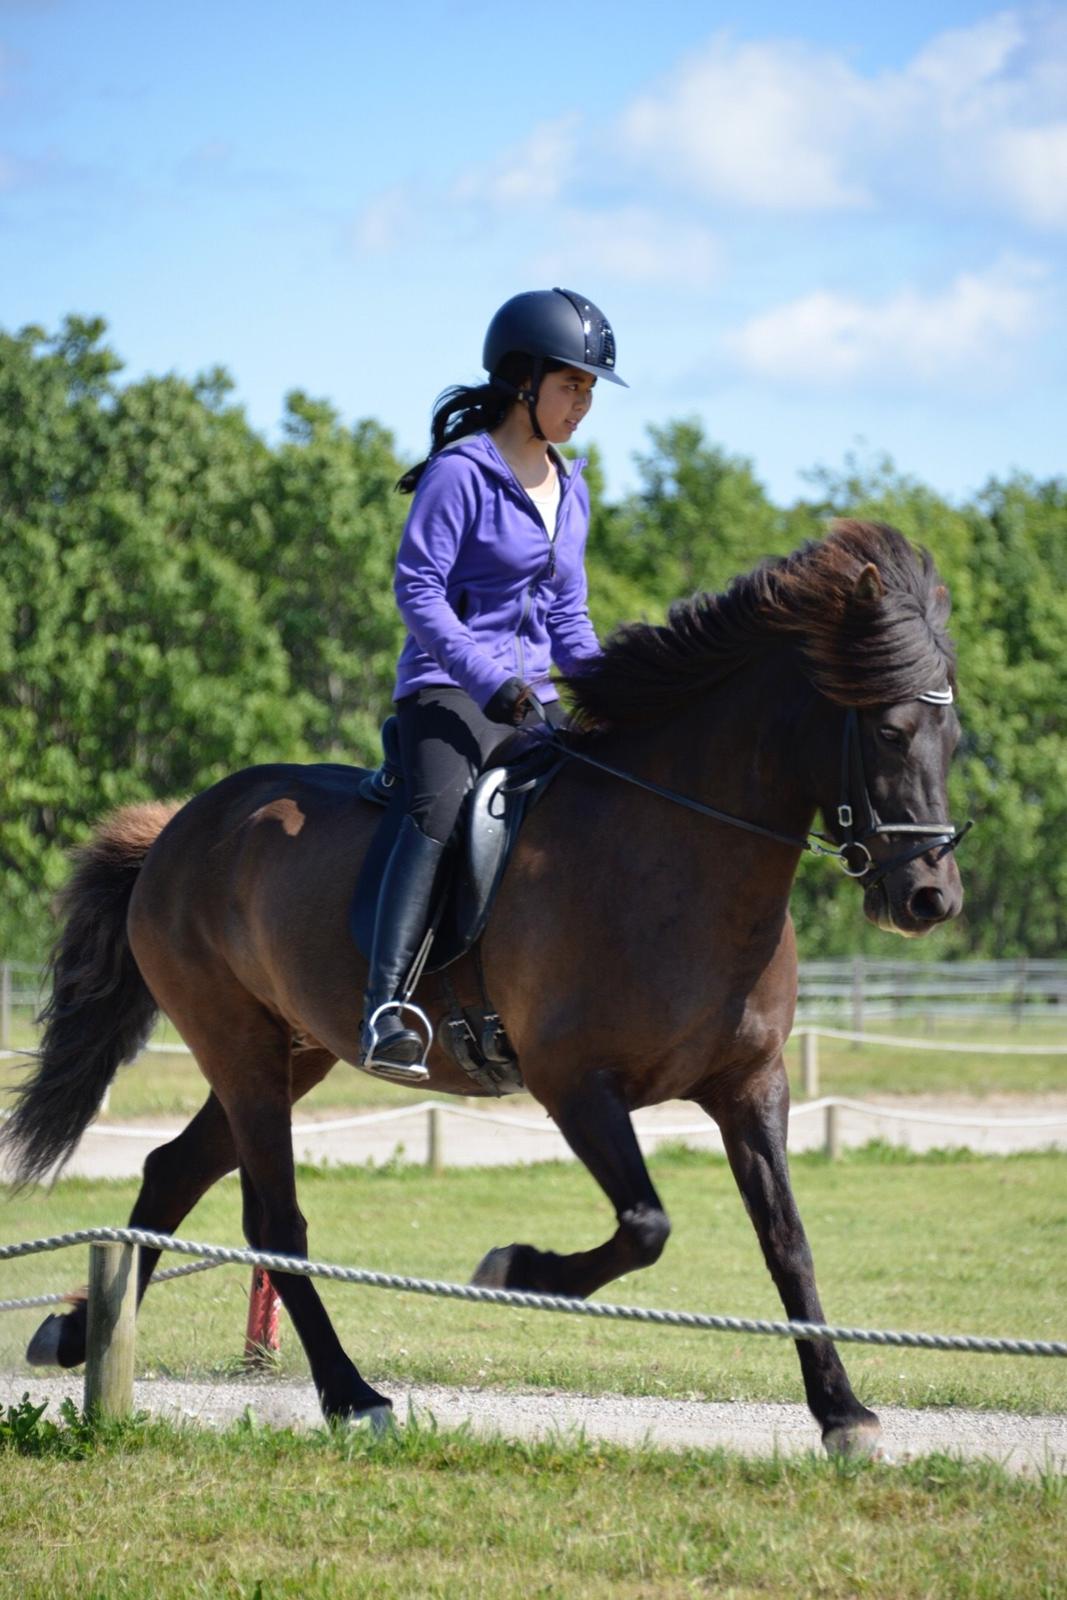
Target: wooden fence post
pixel 435 1141
pixel 832 1136
pixel 857 997
pixel 809 1063
pixel 109 1348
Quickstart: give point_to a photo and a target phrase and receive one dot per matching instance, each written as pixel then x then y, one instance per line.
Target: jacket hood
pixel 480 448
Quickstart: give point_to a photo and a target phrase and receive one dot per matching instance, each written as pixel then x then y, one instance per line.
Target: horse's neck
pixel 740 750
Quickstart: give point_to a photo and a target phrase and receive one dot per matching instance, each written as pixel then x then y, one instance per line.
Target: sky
pixel 823 231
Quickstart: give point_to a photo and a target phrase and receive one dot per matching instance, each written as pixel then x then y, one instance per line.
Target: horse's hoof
pixel 43 1349
pixel 857 1441
pixel 492 1270
pixel 380 1420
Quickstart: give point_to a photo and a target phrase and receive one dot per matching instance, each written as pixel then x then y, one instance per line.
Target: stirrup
pixel 397 1071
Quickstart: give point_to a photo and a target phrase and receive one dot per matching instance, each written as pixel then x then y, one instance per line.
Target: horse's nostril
pixel 929 904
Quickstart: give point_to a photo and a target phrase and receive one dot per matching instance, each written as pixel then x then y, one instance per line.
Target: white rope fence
pixel 678 1130
pixel 67 1297
pixel 830 1107
pixel 806 1030
pixel 215 1254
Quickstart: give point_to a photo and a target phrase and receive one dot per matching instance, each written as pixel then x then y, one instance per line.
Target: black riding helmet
pixel 549 325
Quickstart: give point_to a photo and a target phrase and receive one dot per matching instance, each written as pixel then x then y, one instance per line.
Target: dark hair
pixel 466 409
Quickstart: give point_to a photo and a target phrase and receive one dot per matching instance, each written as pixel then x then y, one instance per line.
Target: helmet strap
pixel 532 393
pixel 528 396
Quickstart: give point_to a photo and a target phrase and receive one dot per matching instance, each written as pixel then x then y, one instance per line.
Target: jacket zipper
pixel 548 571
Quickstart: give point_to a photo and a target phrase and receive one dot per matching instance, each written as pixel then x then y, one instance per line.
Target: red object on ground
pixel 261 1337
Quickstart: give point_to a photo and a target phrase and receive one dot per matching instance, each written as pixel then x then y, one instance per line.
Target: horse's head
pixel 884 793
pixel 891 818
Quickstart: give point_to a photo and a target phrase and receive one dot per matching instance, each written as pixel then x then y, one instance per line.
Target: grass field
pixel 956 1244
pixel 171 1085
pixel 148 1512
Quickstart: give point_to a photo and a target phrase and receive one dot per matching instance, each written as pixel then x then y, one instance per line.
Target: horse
pixel 640 948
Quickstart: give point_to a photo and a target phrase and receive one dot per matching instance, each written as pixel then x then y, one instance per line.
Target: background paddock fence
pixel 860 988
pixel 854 989
pixel 110 1354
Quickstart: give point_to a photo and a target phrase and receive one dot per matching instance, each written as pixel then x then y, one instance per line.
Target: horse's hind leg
pixel 176 1174
pixel 595 1122
pixel 258 1108
pixel 179 1173
pixel 754 1127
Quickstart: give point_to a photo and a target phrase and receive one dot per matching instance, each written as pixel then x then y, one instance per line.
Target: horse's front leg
pixel 594 1120
pixel 754 1124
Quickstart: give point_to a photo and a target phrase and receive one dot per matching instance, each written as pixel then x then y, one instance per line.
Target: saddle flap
pixel 485 836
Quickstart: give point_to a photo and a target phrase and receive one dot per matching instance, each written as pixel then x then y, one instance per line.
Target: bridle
pixel 855 803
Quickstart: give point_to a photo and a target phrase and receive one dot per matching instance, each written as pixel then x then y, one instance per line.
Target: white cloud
pixel 388 220
pixel 975 116
pixel 759 124
pixel 631 244
pixel 967 330
pixel 531 173
pixel 1030 165
pixel 961 63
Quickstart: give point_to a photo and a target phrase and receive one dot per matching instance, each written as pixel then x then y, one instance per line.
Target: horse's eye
pixel 891 735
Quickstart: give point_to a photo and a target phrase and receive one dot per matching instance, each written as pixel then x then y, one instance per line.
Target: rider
pixel 490 581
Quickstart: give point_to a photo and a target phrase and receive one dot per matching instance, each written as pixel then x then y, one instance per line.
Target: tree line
pixel 179 598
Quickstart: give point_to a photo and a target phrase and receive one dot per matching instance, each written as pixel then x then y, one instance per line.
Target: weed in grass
pixel 24 1430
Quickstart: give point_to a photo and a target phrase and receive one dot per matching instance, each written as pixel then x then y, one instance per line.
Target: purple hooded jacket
pixel 485 594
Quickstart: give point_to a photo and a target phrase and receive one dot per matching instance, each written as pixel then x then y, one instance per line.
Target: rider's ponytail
pixel 476 408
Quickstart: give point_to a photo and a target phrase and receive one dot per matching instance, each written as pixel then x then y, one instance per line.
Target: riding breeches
pixel 445 742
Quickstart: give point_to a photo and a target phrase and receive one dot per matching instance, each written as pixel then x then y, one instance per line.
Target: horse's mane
pixel 857 651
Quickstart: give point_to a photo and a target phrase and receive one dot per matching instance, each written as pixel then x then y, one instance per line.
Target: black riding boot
pixel 387 1046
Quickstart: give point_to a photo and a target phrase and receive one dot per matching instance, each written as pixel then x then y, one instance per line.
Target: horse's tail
pixel 100 1012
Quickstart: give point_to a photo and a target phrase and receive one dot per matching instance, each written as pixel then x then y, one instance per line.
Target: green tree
pixel 322 535
pixel 135 659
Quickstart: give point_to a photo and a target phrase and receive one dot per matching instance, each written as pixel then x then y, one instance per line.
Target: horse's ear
pixel 869 585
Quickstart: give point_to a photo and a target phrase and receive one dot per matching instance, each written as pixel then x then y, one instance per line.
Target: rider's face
pixel 563 401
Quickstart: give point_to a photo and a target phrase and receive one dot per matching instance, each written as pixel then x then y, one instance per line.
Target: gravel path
pixel 1021 1443
pixel 477 1138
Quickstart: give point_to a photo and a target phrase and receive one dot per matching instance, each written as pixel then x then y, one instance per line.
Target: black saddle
pixel 519 772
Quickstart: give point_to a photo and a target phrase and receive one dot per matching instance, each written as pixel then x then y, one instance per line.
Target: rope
pixel 891 1039
pixel 938 1119
pixel 300 1267
pixel 66 1296
pixel 706 1129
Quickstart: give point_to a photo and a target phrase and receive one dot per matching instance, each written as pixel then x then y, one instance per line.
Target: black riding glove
pixel 511 702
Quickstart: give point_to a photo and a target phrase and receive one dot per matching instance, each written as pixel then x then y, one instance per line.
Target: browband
pixel 937 697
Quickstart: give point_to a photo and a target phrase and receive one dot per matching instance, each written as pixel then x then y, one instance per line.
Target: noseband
pixel 855 798
pixel 859 821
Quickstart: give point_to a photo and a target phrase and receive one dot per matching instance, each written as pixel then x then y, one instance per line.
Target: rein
pixel 940 836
